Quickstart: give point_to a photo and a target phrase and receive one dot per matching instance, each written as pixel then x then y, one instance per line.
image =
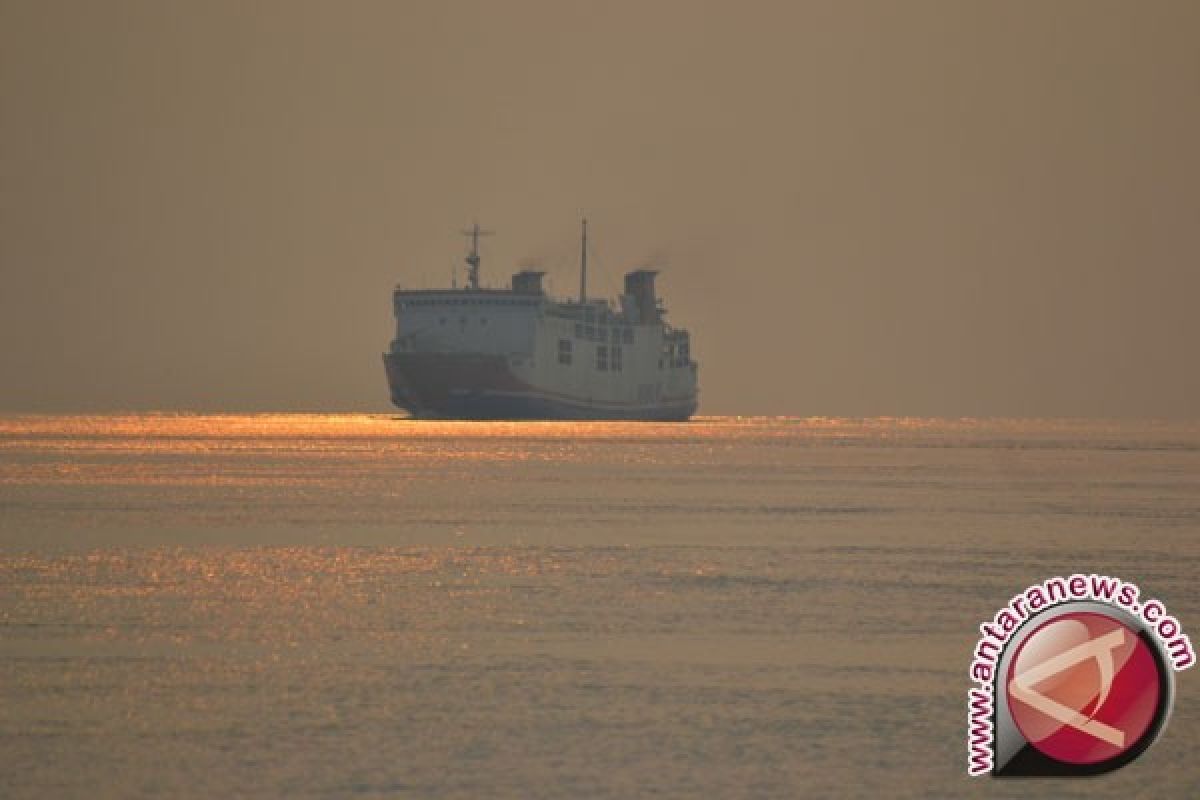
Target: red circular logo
pixel 1083 688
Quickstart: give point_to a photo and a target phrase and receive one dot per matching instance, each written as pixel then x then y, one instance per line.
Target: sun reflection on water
pixel 315 450
pixel 445 596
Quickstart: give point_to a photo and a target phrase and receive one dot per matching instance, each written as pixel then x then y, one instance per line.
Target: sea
pixel 350 605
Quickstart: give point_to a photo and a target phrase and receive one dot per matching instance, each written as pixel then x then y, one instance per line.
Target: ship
pixel 517 353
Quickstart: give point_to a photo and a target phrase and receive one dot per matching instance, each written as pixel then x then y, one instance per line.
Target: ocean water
pixel 326 606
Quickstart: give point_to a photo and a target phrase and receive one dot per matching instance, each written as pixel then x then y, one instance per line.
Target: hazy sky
pixel 930 208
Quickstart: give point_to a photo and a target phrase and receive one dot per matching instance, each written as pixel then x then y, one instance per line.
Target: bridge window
pixel 602 358
pixel 616 357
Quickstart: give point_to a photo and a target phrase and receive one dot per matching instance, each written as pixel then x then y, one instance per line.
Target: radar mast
pixel 583 265
pixel 473 259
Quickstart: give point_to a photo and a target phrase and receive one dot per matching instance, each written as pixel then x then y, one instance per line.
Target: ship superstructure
pixel 517 353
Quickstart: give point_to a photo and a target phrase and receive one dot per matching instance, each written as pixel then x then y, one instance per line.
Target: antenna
pixel 583 265
pixel 473 258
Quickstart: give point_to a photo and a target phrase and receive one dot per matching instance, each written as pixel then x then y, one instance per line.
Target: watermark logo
pixel 1073 677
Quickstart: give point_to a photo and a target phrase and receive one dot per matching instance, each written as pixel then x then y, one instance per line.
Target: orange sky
pixel 926 208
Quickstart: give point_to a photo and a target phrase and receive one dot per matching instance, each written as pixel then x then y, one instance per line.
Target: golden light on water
pixel 231 431
pixel 296 581
pixel 255 450
pixel 210 429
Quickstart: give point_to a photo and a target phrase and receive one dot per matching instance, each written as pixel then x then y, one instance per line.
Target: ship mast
pixel 583 265
pixel 473 258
